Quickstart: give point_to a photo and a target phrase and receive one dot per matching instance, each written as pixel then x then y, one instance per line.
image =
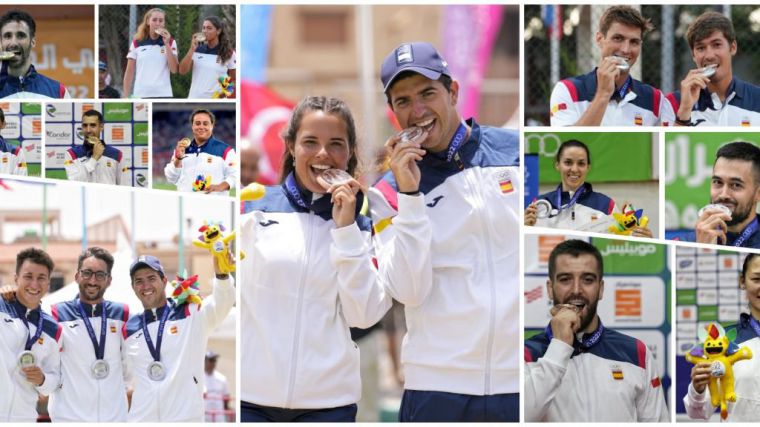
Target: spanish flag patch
pixel 745 122
pixel 67 162
pixel 173 330
pixel 617 373
pixel 638 120
pixel 558 107
pixel 113 329
pixel 506 186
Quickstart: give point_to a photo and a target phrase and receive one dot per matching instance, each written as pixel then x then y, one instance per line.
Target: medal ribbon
pixel 572 201
pixel 751 228
pixel 588 341
pixel 100 348
pixel 30 340
pixel 292 188
pixel 156 351
pixel 456 141
pixel 623 89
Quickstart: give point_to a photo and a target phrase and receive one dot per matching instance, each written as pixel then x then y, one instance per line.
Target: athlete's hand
pixel 566 321
pixel 711 227
pixel 606 73
pixel 98 148
pixel 404 157
pixel 344 202
pixel 531 214
pixel 8 292
pixel 222 186
pixel 641 232
pixel 690 87
pixel 700 376
pixel 34 375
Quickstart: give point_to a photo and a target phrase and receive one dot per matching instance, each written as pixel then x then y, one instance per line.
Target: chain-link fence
pixel 665 55
pixel 119 23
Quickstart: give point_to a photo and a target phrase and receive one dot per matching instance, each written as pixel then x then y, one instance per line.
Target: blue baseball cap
pixel 102 66
pixel 420 57
pixel 146 261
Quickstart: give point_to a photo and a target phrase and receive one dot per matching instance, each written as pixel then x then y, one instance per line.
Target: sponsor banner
pixel 59 112
pixel 655 342
pixel 686 281
pixel 686 263
pixel 686 313
pixel 707 296
pixel 686 330
pixel 12 107
pixel 58 133
pixel 117 111
pixel 684 345
pixel 31 108
pixel 707 262
pixel 31 127
pixel 728 279
pixel 707 280
pixel 54 157
pixel 625 257
pixel 141 178
pixel 140 112
pixel 118 133
pixel 12 128
pixel 140 133
pixel 141 158
pixel 686 297
pixel 32 150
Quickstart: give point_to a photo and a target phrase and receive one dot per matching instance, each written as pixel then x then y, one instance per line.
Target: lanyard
pixel 292 188
pixel 100 348
pixel 588 341
pixel 456 141
pixel 572 201
pixel 623 89
pixel 751 228
pixel 156 351
pixel 30 340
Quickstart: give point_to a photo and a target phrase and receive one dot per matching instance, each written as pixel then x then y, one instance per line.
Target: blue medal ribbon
pixel 295 193
pixel 589 339
pixel 572 201
pixel 155 351
pixel 456 141
pixel 620 94
pixel 751 228
pixel 100 348
pixel 30 340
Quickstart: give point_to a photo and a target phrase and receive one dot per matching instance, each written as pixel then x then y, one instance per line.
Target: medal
pixel 332 177
pixel 544 209
pixel 709 70
pixel 27 359
pixel 622 64
pixel 100 369
pixel 714 206
pixel 412 134
pixel 156 371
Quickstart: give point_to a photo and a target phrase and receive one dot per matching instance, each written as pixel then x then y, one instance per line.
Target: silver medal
pixel 412 134
pixel 100 369
pixel 715 206
pixel 156 371
pixel 622 64
pixel 27 359
pixel 331 177
pixel 543 208
pixel 709 70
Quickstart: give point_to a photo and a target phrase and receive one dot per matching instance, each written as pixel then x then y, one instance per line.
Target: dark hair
pixel 572 143
pixel 2 115
pixel 708 23
pixel 574 248
pixel 202 111
pixel 444 79
pixel 94 113
pixel 332 106
pixel 742 151
pixel 37 256
pixel 16 15
pixel 625 15
pixel 225 40
pixel 98 253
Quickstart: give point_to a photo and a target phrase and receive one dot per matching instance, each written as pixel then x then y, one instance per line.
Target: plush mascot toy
pixel 215 242
pixel 721 352
pixel 201 182
pixel 252 191
pixel 226 88
pixel 186 290
pixel 626 221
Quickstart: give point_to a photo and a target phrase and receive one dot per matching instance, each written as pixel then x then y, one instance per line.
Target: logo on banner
pixel 628 303
pixel 534 294
pixel 117 134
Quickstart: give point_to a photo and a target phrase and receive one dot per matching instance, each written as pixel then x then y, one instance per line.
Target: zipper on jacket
pixel 489 268
pixel 21 84
pixel 299 307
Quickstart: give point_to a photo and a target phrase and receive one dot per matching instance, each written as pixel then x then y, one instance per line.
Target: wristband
pixel 410 193
pixel 684 122
pixel 223 276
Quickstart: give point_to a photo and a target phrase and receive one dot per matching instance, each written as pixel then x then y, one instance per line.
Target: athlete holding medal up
pixel 166 345
pixel 29 349
pixel 93 365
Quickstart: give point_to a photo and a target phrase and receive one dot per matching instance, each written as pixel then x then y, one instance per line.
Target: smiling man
pixel 93 359
pixel 29 348
pixel 608 95
pixel 615 372
pixel 735 185
pixel 18 78
pixel 710 94
pixel 94 161
pixel 166 344
pixel 202 158
pixel 446 218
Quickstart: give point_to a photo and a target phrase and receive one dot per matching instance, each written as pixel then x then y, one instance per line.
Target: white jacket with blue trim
pixel 450 255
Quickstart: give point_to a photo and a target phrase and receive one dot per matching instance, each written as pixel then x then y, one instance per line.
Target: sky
pixel 157 211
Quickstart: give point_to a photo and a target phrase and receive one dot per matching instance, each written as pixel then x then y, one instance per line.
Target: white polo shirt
pixel 642 105
pixel 207 69
pixel 151 67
